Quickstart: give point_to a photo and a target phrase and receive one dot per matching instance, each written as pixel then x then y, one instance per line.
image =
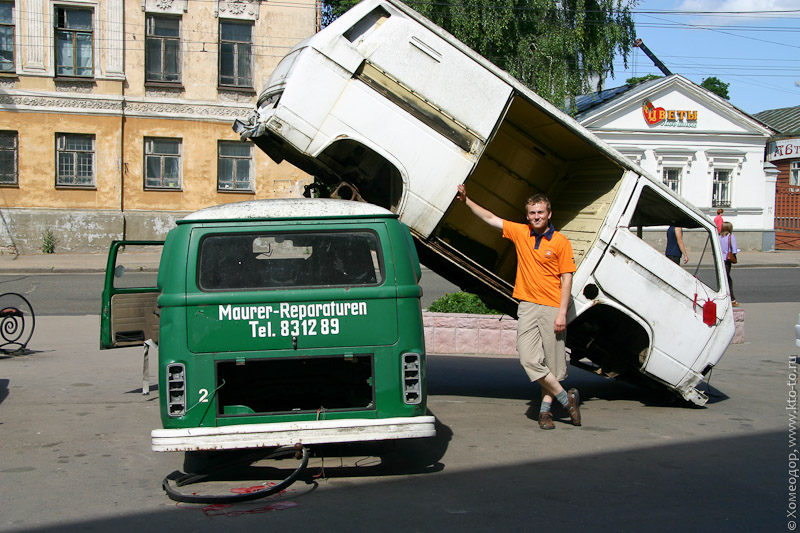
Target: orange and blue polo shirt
pixel 541 259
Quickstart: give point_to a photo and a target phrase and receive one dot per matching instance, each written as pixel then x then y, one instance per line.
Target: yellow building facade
pixel 115 115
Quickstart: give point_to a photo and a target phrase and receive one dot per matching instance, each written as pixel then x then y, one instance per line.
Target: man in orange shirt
pixel 545 265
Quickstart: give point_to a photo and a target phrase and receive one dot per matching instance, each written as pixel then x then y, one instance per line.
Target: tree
pixel 554 47
pixel 640 79
pixel 716 86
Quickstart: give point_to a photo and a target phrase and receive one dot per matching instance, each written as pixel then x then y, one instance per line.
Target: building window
pixel 163 49
pixel 8 158
pixel 162 162
pixel 233 166
pixel 722 188
pixel 794 174
pixel 75 165
pixel 74 42
pixel 672 179
pixel 235 54
pixel 6 37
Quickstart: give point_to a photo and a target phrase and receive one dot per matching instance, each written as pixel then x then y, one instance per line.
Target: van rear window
pixel 289 260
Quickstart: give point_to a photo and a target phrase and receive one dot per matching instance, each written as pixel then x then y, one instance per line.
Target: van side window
pixel 255 261
pixel 654 214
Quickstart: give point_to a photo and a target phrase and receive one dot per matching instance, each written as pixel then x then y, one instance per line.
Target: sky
pixel 754 45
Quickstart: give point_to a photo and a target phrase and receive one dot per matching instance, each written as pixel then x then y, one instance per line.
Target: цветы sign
pixel 668 117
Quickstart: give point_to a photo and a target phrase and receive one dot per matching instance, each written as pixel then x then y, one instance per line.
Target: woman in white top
pixel 727 241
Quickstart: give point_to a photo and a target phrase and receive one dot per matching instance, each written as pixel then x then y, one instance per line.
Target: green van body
pixel 289 321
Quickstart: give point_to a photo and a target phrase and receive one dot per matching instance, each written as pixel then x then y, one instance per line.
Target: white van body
pixel 385 107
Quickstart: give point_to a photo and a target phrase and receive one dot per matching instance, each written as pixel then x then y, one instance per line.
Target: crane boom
pixel 657 62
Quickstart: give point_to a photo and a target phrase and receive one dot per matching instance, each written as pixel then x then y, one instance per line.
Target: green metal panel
pixel 203 329
pixel 110 290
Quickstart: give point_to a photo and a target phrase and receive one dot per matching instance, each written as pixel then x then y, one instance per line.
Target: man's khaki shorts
pixel 541 351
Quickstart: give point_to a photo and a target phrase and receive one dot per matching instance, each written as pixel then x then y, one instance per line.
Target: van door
pixel 129 314
pixel 668 297
pixel 297 286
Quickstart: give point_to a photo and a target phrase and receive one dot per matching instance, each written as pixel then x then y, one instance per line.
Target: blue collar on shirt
pixel 547 235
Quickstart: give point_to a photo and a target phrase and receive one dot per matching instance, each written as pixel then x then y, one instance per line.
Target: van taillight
pixel 176 389
pixel 412 381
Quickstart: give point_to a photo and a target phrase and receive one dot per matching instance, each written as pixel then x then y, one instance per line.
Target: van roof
pixel 288 208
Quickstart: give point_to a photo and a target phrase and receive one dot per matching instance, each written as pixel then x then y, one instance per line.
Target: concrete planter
pixel 738 322
pixel 461 333
pixel 465 334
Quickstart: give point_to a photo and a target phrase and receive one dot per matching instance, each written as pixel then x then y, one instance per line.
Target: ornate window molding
pixel 674 157
pixel 174 7
pixel 634 153
pixel 727 159
pixel 237 9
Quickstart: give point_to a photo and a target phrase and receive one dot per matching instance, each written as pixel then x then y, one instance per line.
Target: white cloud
pixel 763 7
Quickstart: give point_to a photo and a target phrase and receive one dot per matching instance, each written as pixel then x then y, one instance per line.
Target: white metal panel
pixel 432 165
pixel 433 68
pixel 308 101
pixel 666 368
pixel 291 433
pixel 649 284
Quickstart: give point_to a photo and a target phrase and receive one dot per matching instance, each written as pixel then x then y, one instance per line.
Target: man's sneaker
pixel 573 407
pixel 546 420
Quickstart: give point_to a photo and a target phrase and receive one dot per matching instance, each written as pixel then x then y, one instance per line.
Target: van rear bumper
pixel 291 433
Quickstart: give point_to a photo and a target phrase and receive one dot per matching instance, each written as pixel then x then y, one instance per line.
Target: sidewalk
pixel 62 263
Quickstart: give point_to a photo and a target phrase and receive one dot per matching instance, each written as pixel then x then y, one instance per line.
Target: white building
pixel 701 146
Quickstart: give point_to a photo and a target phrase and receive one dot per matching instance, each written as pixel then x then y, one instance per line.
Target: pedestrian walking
pixel 675 248
pixel 718 220
pixel 727 241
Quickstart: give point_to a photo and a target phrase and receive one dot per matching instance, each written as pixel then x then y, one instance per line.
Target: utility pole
pixel 639 44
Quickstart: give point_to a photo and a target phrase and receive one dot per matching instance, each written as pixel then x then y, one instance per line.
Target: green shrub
pixel 49 241
pixel 461 302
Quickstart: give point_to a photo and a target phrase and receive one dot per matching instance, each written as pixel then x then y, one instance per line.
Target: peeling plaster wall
pixel 75 230
pixel 150 225
pixel 80 231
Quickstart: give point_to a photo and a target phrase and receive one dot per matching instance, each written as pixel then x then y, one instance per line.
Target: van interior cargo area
pixel 292 385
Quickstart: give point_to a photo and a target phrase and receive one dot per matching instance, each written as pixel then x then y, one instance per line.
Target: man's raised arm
pixel 481 212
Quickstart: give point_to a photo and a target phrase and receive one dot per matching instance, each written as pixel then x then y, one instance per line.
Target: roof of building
pixel 589 101
pixel 784 120
pixel 588 104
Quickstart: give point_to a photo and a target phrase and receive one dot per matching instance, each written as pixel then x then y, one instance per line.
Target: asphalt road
pixel 79 294
pixel 75 451
pixel 75 447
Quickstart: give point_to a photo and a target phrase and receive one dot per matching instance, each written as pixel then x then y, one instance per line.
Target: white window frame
pixel 720 198
pixel 724 160
pixel 78 159
pixel 674 158
pixel 794 173
pixel 669 181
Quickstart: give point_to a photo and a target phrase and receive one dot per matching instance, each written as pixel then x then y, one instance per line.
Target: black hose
pixel 185 479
